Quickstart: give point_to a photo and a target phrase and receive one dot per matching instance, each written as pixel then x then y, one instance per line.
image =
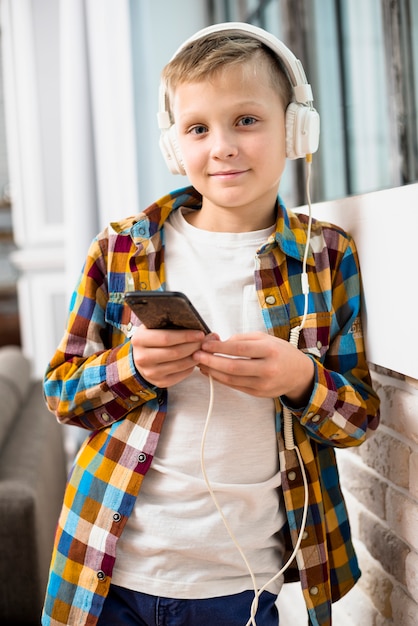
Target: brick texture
pixel 388 456
pixel 375 584
pixel 400 410
pixel 405 610
pixel 366 486
pixel 384 545
pixel 380 483
pixel 413 474
pixel 402 516
pixel 411 572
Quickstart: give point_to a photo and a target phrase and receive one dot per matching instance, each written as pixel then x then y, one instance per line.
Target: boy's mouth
pixel 228 173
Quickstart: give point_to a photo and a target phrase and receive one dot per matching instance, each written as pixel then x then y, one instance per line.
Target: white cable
pixel 295 332
pixel 305 282
pixel 257 592
pixel 287 432
pixel 297 545
pixel 215 500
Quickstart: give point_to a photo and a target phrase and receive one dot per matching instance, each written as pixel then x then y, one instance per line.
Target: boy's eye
pixel 198 130
pixel 248 120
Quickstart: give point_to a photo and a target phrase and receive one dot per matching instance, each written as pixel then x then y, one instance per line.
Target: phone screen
pixel 165 309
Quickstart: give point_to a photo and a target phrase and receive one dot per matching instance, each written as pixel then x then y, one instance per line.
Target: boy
pixel 227 112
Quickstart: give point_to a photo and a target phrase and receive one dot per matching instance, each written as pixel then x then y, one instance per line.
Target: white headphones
pixel 302 120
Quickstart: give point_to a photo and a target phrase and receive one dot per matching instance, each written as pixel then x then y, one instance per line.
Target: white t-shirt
pixel 175 543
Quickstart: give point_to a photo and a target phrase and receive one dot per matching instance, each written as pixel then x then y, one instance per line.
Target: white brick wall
pixel 380 479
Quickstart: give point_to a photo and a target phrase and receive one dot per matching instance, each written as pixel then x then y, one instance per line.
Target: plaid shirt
pixel 91 382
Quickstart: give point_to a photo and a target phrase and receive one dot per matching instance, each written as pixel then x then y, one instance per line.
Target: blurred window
pixel 361 59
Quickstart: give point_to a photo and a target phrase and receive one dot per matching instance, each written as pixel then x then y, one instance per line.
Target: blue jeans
pixel 124 607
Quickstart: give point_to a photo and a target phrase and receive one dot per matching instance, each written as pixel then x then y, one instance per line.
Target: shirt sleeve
pixel 343 409
pixel 91 380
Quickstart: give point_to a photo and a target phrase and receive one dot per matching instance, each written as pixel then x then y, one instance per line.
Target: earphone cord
pixel 295 332
pixel 257 592
pixel 287 429
pixel 213 496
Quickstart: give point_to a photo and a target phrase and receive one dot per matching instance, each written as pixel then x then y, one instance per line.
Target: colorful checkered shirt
pixel 92 382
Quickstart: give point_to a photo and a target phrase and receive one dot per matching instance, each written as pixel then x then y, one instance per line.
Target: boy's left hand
pixel 262 366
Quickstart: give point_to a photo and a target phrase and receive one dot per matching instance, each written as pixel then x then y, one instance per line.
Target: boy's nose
pixel 223 146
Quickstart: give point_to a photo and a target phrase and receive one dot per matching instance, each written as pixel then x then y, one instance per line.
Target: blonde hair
pixel 205 57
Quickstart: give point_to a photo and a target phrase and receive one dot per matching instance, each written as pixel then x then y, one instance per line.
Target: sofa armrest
pixel 32 482
pixel 14 385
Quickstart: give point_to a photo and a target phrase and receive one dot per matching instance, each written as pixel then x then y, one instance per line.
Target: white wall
pixel 72 174
pixel 384 225
pixel 155 41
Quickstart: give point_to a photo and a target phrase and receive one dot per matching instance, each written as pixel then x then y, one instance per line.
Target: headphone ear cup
pixel 302 130
pixel 171 151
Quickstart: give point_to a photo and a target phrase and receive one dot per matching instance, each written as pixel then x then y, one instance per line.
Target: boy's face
pixel 231 132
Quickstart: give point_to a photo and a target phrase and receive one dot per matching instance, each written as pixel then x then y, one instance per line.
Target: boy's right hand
pixel 164 357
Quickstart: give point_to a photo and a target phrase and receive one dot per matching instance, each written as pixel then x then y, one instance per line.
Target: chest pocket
pixel 315 335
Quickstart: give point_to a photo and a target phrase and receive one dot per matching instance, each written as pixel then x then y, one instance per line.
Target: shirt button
pixel 316 418
pixel 105 417
pixel 117 517
pixel 129 326
pixel 134 398
pixel 319 344
pixel 270 300
pixel 314 591
pixel 291 475
pixel 142 457
pixel 101 575
pixel 305 534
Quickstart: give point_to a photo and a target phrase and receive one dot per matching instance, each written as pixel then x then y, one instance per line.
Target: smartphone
pixel 165 309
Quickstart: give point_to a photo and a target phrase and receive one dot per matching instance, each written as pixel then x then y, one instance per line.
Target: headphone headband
pixel 297 76
pixel 302 134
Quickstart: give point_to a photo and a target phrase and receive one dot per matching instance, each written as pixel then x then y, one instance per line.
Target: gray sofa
pixel 32 481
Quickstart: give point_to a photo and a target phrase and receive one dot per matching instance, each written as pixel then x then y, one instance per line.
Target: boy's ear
pixel 171 150
pixel 302 130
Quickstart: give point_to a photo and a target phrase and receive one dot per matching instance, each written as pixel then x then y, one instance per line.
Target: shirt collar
pixel 290 233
